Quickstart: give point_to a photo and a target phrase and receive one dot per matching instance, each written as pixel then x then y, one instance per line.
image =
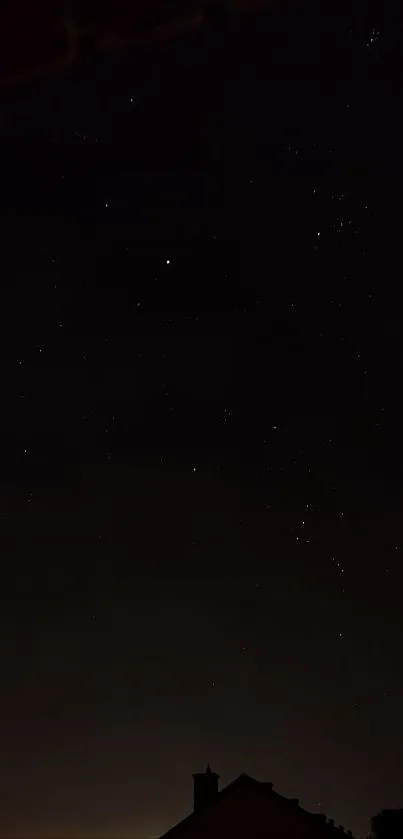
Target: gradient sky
pixel 200 484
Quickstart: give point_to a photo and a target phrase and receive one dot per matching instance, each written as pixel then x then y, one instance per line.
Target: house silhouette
pixel 251 809
pixel 387 824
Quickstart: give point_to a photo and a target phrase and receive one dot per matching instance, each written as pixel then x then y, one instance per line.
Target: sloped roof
pixel 244 785
pixel 229 789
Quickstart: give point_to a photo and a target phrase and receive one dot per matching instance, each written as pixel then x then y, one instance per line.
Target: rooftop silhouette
pixel 247 805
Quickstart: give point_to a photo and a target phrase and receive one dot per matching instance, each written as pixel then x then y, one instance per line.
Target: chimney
pixel 205 788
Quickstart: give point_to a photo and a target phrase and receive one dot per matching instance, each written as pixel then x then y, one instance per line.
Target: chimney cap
pixel 208 771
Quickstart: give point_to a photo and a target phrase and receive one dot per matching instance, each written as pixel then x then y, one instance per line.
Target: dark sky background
pixel 201 415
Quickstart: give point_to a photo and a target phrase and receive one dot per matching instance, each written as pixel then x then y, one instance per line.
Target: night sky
pixel 201 424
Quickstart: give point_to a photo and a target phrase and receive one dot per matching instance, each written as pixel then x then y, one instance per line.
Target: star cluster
pixel 201 425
